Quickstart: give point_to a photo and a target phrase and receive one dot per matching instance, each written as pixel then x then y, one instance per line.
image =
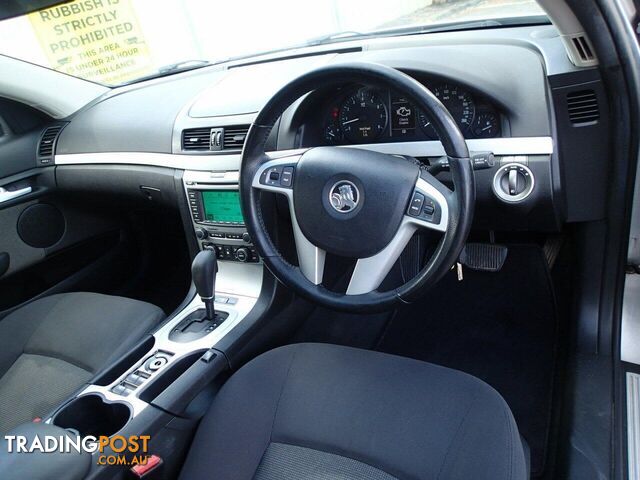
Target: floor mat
pixel 500 327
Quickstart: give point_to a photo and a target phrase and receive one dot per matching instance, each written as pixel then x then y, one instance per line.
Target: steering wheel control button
pixel 344 196
pixel 416 204
pixel 287 177
pixel 278 176
pixel 271 176
pixel 513 182
pixel 424 207
pixel 429 209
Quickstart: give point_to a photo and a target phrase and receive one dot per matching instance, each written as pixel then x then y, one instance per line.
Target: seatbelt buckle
pixel 148 470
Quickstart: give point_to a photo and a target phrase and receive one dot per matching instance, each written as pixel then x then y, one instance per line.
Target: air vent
pixel 234 137
pixel 48 142
pixel 583 107
pixel 581 44
pixel 580 50
pixel 214 138
pixel 196 139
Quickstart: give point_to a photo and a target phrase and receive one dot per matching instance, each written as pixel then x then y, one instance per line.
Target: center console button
pixel 243 254
pixel 135 379
pixel 155 363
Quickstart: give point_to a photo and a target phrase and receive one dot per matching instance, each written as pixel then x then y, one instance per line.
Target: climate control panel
pixel 235 254
pixel 230 243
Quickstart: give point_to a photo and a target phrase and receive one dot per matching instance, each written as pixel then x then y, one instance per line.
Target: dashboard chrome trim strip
pixel 228 162
pixel 168 160
pixel 499 146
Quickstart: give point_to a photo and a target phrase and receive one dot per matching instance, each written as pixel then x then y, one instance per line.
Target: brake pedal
pixel 485 257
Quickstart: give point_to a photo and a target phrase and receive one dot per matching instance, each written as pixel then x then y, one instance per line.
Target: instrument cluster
pixel 369 115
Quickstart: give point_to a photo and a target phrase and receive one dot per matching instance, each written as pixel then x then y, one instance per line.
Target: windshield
pixel 119 41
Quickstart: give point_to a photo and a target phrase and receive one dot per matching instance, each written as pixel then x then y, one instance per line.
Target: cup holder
pixel 92 415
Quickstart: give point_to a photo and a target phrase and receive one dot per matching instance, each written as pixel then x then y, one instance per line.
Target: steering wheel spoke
pixel 429 209
pixel 371 271
pixel 277 175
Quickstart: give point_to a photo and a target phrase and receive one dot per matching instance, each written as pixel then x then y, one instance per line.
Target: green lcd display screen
pixel 222 206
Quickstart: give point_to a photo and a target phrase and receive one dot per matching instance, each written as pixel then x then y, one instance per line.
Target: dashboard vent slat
pixel 196 139
pixel 583 107
pixel 234 137
pixel 583 48
pixel 580 50
pixel 214 138
pixel 48 141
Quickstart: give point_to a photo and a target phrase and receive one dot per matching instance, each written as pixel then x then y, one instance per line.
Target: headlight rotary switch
pixel 513 183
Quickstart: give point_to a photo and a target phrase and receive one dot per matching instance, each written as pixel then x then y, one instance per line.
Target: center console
pixel 156 381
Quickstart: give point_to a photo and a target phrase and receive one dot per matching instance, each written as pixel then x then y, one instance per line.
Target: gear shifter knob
pixel 203 270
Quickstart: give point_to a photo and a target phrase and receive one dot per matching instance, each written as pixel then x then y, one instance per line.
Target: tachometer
pixel 363 116
pixel 459 103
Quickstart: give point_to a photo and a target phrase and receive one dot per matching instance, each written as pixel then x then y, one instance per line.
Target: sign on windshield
pixel 96 40
pixel 117 41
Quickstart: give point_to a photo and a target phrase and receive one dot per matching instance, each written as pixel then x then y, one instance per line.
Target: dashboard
pixel 358 114
pixel 512 92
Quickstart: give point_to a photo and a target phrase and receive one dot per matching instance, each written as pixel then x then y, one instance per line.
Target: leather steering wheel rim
pixel 460 202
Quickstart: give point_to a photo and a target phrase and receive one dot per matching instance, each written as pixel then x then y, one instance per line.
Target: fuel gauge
pixel 332 134
pixel 487 125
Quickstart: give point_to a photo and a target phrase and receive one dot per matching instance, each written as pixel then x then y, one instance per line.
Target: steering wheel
pixel 354 202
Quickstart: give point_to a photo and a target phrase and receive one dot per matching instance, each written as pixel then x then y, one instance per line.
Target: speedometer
pixel 459 102
pixel 363 116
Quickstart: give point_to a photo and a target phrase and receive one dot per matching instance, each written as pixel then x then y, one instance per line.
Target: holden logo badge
pixel 344 196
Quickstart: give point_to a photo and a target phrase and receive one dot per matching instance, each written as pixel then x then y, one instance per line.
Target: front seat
pixel 312 411
pixel 51 346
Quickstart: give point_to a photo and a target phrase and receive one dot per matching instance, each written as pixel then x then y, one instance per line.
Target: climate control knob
pixel 243 254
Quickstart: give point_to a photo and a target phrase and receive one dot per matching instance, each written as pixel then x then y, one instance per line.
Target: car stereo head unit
pixel 216 207
pixel 218 222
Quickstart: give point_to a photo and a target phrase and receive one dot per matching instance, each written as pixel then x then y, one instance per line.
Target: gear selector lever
pixel 201 322
pixel 203 270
